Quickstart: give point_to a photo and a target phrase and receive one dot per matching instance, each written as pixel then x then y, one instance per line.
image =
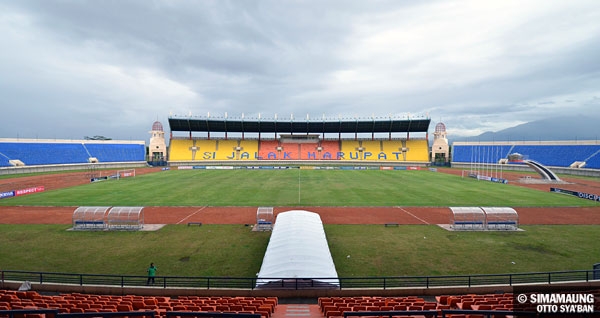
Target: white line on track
pixel 414 216
pixel 187 217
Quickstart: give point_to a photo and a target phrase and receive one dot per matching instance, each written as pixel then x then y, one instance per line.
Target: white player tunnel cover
pixel 298 249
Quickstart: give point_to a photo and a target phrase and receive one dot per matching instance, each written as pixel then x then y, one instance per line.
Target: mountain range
pixel 575 127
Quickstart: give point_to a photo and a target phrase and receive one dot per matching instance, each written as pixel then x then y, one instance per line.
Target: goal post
pixel 127 173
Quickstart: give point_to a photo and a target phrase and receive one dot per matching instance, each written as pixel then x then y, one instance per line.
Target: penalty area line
pixel 414 216
pixel 189 216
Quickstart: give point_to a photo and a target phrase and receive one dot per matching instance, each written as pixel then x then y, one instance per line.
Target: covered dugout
pixel 467 219
pixel 125 218
pixel 90 218
pixel 501 218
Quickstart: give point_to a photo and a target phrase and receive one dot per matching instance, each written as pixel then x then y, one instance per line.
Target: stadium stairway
pixel 297 311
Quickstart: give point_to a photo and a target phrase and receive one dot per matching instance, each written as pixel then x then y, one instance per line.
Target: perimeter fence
pixel 304 283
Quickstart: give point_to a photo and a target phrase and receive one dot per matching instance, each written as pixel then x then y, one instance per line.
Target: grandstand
pixel 563 154
pixel 30 152
pixel 206 140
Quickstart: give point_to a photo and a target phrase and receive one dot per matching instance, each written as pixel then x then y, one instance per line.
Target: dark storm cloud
pixel 79 68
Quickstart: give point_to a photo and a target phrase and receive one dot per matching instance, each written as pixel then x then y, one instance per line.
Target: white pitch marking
pixel 414 216
pixel 187 217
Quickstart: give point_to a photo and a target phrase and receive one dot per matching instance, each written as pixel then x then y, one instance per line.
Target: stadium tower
pixel 158 147
pixel 440 149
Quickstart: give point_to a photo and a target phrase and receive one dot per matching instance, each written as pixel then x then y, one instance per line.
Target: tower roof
pixel 157 126
pixel 440 127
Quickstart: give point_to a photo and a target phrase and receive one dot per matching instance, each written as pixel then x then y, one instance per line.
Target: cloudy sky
pixel 70 69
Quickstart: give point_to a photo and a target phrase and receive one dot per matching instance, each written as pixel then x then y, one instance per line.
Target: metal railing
pixel 303 283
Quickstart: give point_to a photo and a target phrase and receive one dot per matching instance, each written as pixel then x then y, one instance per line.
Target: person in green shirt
pixel 151 273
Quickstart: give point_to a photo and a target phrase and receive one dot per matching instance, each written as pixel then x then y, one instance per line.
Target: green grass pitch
pixel 296 188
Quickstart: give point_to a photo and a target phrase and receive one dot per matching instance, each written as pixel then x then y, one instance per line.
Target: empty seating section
pixel 204 149
pixel 290 151
pixel 52 153
pixel 349 149
pixel 417 150
pixel 226 149
pixel 249 147
pixel 502 302
pixel 265 306
pixel 592 162
pixel 267 149
pixel 232 149
pixel 336 306
pixel 192 149
pixel 481 153
pixel 117 152
pixel 556 155
pixel 310 151
pixel 330 149
pixel 35 153
pixel 549 155
pixel 371 149
pixel 79 303
pixel 183 149
pixel 238 149
pixel 4 160
pixel 393 150
pixel 180 149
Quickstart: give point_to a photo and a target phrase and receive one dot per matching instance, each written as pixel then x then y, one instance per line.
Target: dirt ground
pixel 329 215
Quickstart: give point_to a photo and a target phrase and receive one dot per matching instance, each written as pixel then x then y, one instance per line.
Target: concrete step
pixel 297 311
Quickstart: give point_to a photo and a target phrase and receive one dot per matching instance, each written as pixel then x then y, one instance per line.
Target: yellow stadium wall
pixel 363 150
pixel 392 150
pixel 418 150
pixel 236 149
pixel 179 150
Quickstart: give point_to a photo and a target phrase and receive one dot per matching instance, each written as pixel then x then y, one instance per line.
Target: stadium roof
pixel 373 125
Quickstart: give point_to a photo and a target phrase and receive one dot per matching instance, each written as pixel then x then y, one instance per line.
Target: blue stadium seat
pixel 117 152
pixel 594 161
pixel 4 160
pixel 480 153
pixel 556 155
pixel 39 153
pixel 49 153
pixel 549 155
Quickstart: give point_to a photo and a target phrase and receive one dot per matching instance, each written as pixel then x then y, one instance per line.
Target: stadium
pixel 273 217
